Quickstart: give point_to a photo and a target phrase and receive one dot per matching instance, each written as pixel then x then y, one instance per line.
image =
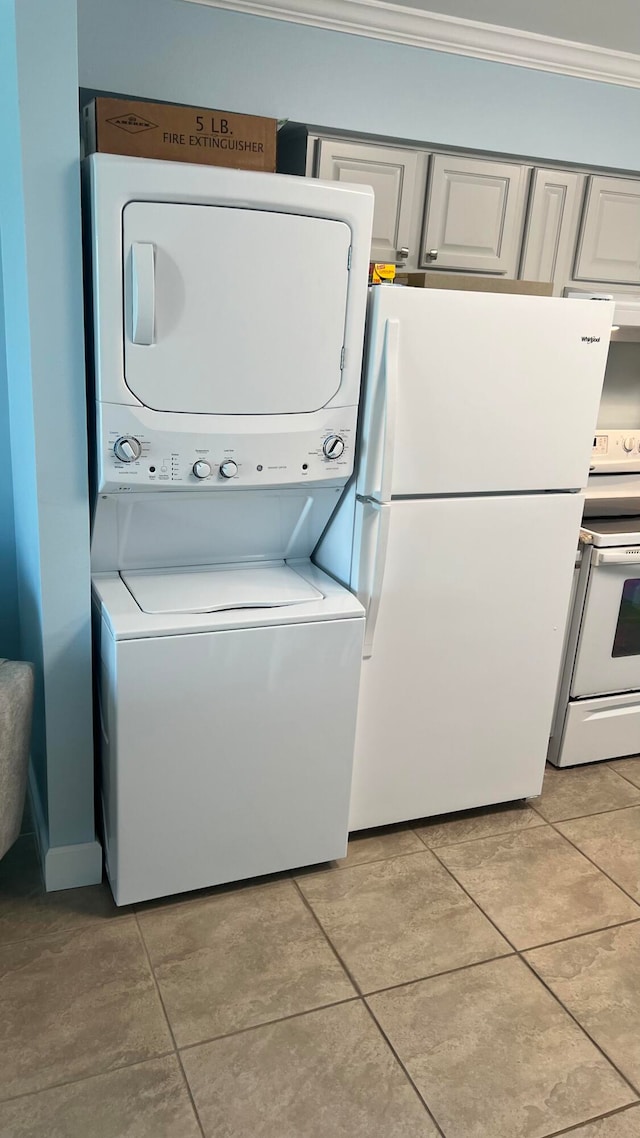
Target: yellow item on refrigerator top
pixel 379 272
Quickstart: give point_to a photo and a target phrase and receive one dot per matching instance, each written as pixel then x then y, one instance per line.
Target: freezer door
pixel 231 311
pixel 457 697
pixel 469 392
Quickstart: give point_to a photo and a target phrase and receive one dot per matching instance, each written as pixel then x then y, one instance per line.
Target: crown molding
pixel 376 19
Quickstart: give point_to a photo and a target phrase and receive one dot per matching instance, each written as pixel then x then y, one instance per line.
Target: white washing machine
pixel 228 325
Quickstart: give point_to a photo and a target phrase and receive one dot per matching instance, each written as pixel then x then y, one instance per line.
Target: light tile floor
pixel 476 976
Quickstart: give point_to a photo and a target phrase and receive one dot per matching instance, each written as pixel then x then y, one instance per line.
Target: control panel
pixel 616 451
pixel 135 455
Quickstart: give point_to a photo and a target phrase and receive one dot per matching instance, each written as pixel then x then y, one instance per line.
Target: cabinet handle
pixel 432 255
pixel 403 253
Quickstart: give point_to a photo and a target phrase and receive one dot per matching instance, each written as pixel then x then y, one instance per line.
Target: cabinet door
pixel 474 217
pixel 609 247
pixel 552 227
pixel 393 173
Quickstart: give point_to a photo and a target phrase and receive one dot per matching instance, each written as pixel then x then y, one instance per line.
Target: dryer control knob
pixel 228 468
pixel 201 469
pixel 333 446
pixel 629 444
pixel 127 449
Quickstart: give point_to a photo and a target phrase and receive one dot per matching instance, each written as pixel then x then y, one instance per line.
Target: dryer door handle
pixel 143 292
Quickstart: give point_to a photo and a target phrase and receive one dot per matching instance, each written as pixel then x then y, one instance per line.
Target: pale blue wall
pixel 190 53
pixel 42 276
pixel 9 624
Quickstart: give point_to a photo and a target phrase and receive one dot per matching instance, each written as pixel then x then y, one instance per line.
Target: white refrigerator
pixel 459 537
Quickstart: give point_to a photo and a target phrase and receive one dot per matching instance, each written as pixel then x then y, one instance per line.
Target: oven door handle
pixel 616 556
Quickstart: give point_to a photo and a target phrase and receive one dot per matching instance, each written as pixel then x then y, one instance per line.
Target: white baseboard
pixel 63 867
pixel 68 867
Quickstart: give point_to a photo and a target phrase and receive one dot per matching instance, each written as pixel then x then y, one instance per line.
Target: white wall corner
pixel 376 19
pixel 63 867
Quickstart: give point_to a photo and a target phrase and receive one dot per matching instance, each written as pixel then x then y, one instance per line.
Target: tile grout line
pixel 437 975
pixel 85 1078
pixel 155 905
pixel 481 838
pixel 597 1118
pixel 474 902
pixel 326 936
pixel 578 936
pixel 403 1068
pixel 365 1005
pixel 176 1052
pixel 592 814
pixel 268 1023
pixel 91 923
pixel 559 940
pixel 595 864
pixel 624 776
pixel 583 1029
pixel 330 867
pixel 519 953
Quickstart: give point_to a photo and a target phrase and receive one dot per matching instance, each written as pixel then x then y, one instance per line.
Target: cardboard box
pixel 179 134
pixel 471 283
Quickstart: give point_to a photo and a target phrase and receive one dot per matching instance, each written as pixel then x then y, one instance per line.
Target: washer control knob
pixel 228 468
pixel 201 469
pixel 629 444
pixel 127 449
pixel 333 446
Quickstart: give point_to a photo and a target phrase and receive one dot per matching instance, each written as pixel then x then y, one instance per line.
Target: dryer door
pixel 232 311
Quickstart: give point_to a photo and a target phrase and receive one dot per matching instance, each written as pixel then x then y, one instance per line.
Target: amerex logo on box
pixel 132 123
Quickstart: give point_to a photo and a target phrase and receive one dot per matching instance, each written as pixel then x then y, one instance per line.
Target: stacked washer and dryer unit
pixel 228 323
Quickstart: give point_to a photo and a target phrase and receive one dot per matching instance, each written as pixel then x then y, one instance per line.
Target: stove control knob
pixel 228 468
pixel 201 469
pixel 333 446
pixel 127 449
pixel 629 444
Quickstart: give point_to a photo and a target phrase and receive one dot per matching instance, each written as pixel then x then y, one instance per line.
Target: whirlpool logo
pixel 590 339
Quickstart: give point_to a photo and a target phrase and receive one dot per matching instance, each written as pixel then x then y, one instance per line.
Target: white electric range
pixel 598 708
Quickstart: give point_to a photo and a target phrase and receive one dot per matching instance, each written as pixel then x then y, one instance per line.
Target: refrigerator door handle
pixel 372 566
pixel 379 456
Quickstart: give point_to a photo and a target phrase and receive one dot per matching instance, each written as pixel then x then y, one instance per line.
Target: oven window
pixel 626 641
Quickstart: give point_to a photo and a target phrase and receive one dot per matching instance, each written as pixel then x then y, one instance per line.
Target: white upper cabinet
pixel 475 211
pixel 552 226
pixel 475 214
pixel 609 248
pixel 393 173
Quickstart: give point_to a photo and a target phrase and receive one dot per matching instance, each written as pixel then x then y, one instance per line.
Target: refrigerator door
pixel 457 697
pixel 490 392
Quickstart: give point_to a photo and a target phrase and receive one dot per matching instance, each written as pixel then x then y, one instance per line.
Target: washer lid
pixel 213 589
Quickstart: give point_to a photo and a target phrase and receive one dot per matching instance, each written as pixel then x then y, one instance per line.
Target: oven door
pixel 608 656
